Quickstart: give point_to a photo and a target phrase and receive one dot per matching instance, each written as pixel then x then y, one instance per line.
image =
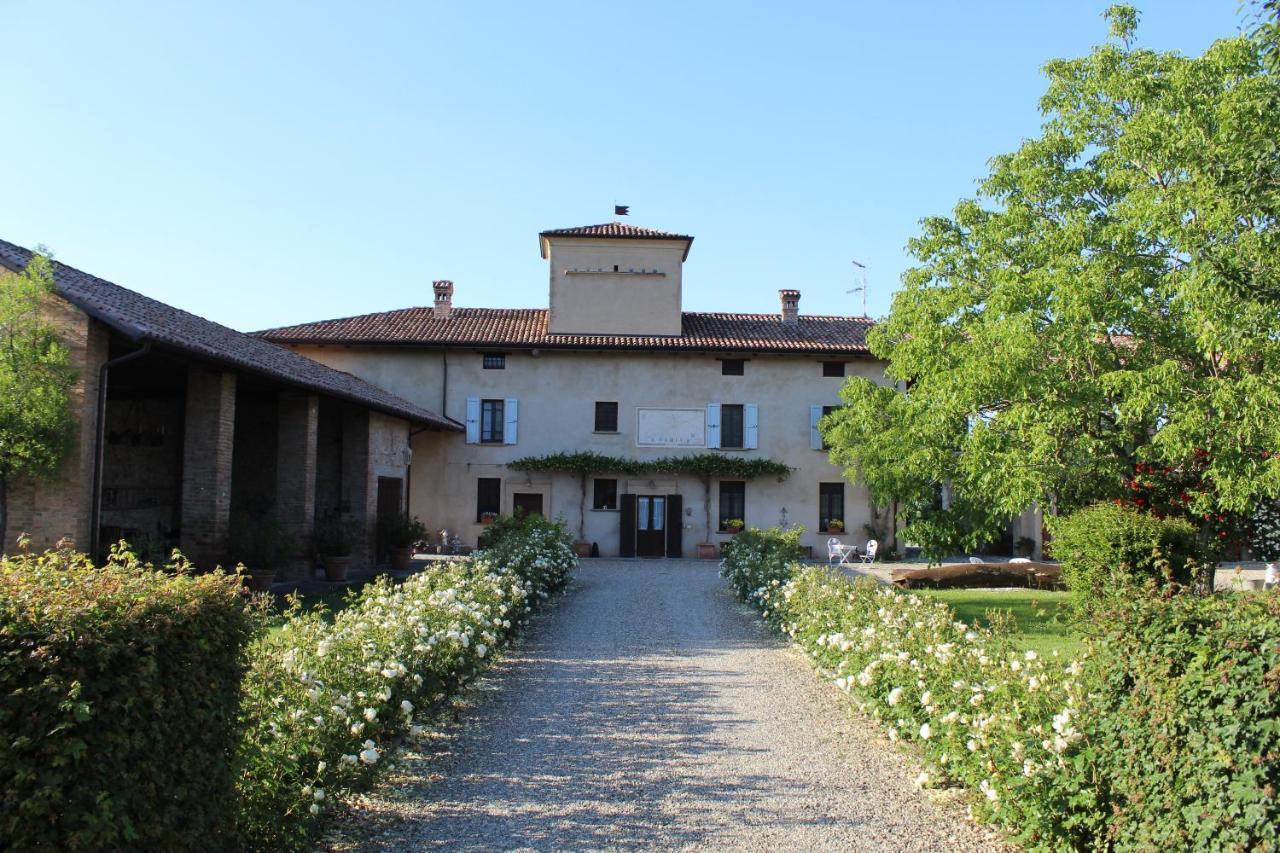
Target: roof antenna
pixel 862 287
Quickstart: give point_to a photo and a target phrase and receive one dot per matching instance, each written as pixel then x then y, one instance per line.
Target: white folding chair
pixel 870 554
pixel 837 549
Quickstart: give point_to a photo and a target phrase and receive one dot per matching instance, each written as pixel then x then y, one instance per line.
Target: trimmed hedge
pixel 325 698
pixel 118 695
pixel 1105 547
pixel 1163 734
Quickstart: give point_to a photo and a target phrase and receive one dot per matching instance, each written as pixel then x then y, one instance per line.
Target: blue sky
pixel 268 163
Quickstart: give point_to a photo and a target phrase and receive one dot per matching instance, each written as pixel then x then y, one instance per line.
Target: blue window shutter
pixel 473 420
pixel 713 425
pixel 509 429
pixel 815 435
pixel 751 426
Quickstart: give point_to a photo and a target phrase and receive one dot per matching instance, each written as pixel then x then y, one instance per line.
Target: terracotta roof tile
pixel 144 319
pixel 613 231
pixel 527 328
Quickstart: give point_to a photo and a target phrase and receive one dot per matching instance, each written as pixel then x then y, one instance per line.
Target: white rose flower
pixel 895 696
pixel 925 731
pixel 371 714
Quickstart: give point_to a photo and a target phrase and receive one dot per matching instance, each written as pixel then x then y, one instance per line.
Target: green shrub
pixel 1181 721
pixel 118 695
pixel 756 558
pixel 401 531
pixel 325 697
pixel 1162 735
pixel 1106 547
pixel 538 550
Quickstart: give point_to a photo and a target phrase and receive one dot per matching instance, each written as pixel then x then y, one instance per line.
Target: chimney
pixel 443 308
pixel 790 306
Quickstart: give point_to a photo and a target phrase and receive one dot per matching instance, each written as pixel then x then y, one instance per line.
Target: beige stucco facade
pixel 556 393
pixel 630 288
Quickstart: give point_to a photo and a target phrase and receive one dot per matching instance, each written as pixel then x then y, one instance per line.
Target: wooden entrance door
pixel 390 490
pixel 526 503
pixel 651 525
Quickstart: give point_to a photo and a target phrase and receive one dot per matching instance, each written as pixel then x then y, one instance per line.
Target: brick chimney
pixel 443 308
pixel 790 306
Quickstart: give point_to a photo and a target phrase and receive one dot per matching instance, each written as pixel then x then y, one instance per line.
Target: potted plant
pixel 334 540
pixel 582 548
pixel 733 525
pixel 706 550
pixel 399 533
pixel 835 525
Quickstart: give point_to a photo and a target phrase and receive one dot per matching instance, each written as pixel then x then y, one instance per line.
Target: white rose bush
pixel 1162 734
pixel 328 695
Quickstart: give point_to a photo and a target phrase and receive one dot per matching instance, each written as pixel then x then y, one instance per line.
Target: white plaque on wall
pixel 671 428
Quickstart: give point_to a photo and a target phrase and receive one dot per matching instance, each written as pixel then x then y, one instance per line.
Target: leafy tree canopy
pixel 35 381
pixel 1109 298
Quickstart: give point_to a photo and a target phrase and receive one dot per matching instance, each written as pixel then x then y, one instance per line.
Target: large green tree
pixel 1109 298
pixel 35 381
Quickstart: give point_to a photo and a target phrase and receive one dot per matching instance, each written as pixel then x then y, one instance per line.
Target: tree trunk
pixel 706 503
pixel 4 514
pixel 582 508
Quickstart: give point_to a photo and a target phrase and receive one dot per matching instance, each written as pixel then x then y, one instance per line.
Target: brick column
pixel 206 465
pixel 299 420
pixel 359 490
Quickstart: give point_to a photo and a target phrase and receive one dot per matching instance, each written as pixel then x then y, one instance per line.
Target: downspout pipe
pixel 95 517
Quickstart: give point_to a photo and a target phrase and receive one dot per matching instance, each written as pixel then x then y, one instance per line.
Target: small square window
pixel 833 368
pixel 495 361
pixel 732 366
pixel 606 495
pixel 606 417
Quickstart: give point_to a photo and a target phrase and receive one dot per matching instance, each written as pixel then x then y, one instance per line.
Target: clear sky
pixel 264 163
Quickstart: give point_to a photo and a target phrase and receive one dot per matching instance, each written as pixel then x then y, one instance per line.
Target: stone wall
pixel 206 465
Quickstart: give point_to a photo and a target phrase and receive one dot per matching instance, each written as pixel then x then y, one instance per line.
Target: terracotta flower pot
pixel 706 550
pixel 401 558
pixel 582 548
pixel 335 568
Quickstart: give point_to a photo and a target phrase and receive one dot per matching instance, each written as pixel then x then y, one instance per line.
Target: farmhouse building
pixel 185 426
pixel 615 366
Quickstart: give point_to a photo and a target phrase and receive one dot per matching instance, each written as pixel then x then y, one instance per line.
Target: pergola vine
pixel 705 466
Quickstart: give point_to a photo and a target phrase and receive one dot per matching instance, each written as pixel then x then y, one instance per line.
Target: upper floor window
pixel 606 416
pixel 731 425
pixel 495 361
pixel 491 422
pixel 833 368
pixel 732 366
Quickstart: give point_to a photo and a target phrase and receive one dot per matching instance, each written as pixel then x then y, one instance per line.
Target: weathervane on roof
pixel 862 287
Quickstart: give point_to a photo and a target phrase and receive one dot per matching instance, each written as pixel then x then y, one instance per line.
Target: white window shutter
pixel 473 420
pixel 815 434
pixel 713 425
pixel 751 426
pixel 509 428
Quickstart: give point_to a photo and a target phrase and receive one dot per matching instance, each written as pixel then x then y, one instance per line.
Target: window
pixel 488 497
pixel 606 496
pixel 491 414
pixel 733 502
pixel 830 504
pixel 833 368
pixel 731 426
pixel 606 417
pixel 826 410
pixel 731 366
pixel 495 361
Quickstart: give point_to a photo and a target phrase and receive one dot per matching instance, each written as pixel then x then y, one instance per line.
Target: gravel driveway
pixel 647 708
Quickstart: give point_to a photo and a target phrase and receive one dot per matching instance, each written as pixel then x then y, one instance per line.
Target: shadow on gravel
pixel 612 725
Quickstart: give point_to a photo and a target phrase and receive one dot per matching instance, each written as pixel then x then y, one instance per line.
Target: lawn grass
pixel 1041 615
